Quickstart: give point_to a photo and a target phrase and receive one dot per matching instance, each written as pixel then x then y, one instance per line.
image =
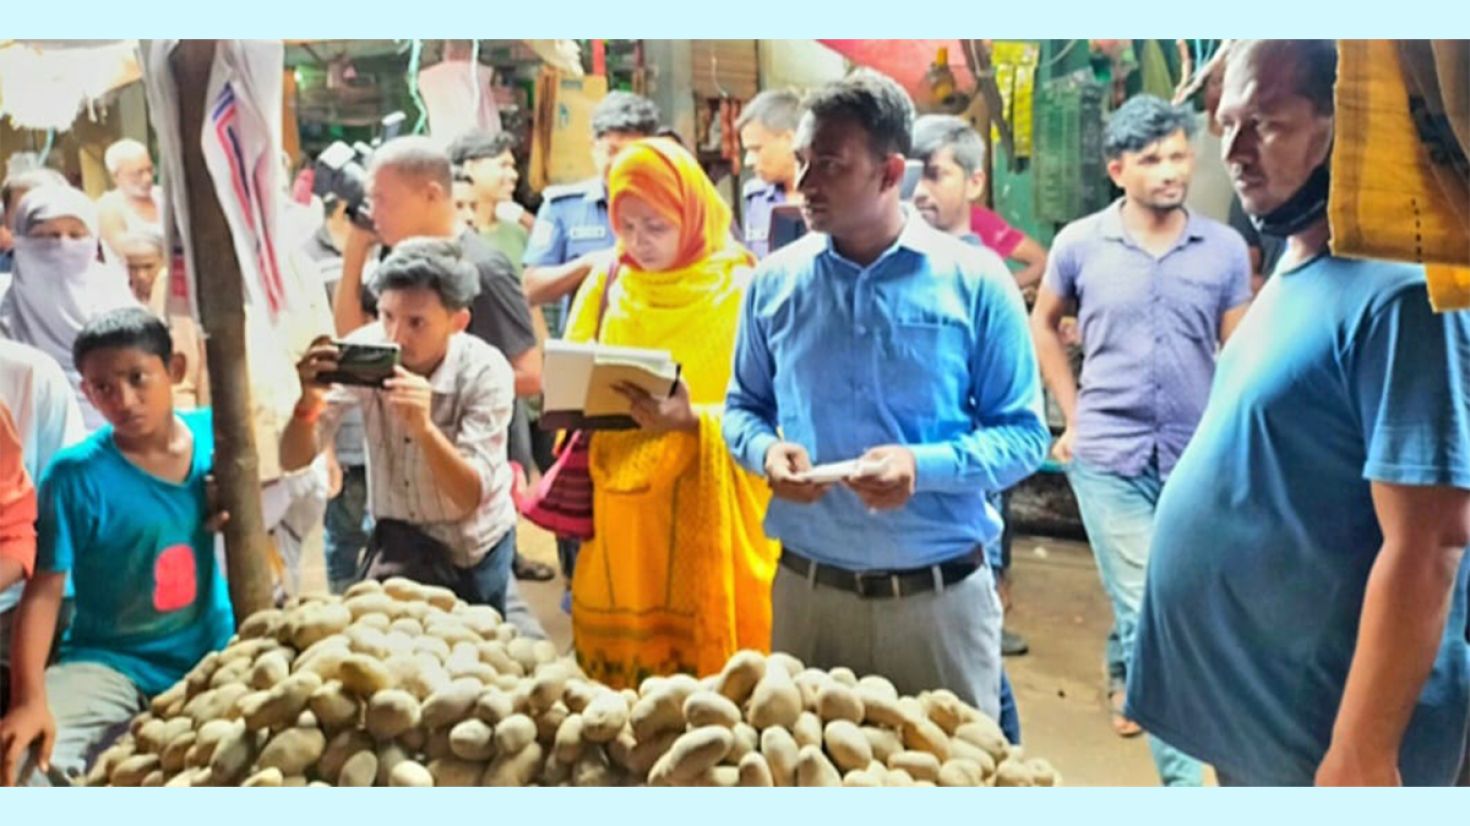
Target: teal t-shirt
pixel 151 599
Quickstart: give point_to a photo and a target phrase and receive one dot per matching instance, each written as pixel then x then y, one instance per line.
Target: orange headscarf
pixel 665 176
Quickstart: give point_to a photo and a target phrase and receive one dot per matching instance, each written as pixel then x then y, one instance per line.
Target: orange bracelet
pixel 308 414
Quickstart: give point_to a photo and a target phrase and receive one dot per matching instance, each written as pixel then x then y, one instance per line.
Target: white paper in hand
pixel 841 471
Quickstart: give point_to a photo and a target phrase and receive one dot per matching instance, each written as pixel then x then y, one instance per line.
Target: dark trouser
pixel 1010 715
pixel 398 549
pixel 519 445
pixel 347 526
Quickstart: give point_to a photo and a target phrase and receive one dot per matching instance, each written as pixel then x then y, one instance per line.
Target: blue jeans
pixel 1010 716
pixel 489 579
pixel 347 528
pixel 1118 512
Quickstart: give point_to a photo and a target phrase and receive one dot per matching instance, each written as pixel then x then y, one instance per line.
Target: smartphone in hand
pixel 362 365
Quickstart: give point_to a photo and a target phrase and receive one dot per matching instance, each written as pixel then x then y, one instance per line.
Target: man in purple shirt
pixel 1156 289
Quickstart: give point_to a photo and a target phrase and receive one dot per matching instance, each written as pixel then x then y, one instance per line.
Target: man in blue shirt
pixel 881 339
pixel 1155 288
pixel 123 513
pixel 767 128
pixel 1305 610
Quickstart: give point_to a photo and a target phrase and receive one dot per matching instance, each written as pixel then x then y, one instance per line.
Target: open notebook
pixel 578 381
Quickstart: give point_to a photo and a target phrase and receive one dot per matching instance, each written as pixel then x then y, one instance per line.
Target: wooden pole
pixel 222 313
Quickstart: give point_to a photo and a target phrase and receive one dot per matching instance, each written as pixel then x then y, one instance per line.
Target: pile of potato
pixel 400 684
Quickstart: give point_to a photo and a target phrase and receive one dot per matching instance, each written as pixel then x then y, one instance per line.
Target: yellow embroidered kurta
pixel 678 575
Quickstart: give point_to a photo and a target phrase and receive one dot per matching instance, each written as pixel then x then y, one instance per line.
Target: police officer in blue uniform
pixel 767 128
pixel 573 226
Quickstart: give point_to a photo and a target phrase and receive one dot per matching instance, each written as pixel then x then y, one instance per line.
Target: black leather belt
pixel 891 584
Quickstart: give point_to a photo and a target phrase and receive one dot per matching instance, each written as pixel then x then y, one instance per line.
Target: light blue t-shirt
pixel 1340 376
pixel 151 600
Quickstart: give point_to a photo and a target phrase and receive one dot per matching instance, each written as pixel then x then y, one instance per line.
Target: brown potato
pixel 924 735
pixel 472 740
pixel 694 753
pixel 814 769
pixel 364 676
pixel 451 771
pixel 920 765
pixel 959 772
pixel 410 773
pixel 836 701
pixel 847 745
pixel 775 701
pixel 707 708
pixel 755 771
pixel 516 769
pixel 658 711
pixel 514 733
pixel 293 751
pixel 808 730
pixel 781 752
pixel 391 712
pixel 340 749
pixel 740 675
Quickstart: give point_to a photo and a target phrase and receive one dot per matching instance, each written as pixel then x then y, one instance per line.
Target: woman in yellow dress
pixel 678 574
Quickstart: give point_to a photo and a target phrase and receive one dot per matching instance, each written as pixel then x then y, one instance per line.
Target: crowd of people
pixel 1275 486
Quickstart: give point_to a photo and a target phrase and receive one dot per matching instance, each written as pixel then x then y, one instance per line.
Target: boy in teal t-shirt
pixel 125 513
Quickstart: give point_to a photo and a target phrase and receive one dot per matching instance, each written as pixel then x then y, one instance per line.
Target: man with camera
pixel 408 192
pixel 436 405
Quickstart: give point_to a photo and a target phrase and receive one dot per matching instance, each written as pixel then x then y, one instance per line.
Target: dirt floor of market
pixel 1057 604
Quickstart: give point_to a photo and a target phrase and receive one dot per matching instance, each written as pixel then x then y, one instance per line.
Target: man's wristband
pixel 308 413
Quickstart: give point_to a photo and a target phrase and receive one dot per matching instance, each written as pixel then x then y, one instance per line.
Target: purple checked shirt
pixel 1150 331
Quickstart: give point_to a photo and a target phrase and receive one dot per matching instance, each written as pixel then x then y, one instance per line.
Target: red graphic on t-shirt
pixel 174 582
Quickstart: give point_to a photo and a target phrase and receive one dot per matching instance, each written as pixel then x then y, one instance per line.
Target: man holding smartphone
pixel 439 482
pixel 882 339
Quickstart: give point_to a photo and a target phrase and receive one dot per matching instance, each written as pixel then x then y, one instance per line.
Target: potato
pixel 847 746
pixel 844 676
pixel 781 752
pixel 176 693
pixel 965 750
pixel 451 771
pixel 985 734
pixel 391 712
pixel 152 736
pixel 645 755
pixel 436 746
pixel 175 754
pixel 523 651
pixel 432 645
pixel 694 753
pixel 370 641
pixel 361 769
pixel 775 700
pixel 724 777
pixel 230 672
pixel 958 772
pixel 578 693
pixel 410 773
pixel 493 706
pixel 495 655
pixel 232 756
pixel 472 740
pixel 547 687
pixel 814 769
pixel 365 586
pixel 293 751
pixel 333 707
pixel 420 678
pixel 514 769
pixel 911 709
pixel 326 662
pixel 920 765
pixel 515 733
pixel 706 708
pixel 482 619
pixel 878 708
pixel 755 771
pixel 214 703
pixel 567 746
pixel 270 669
pixel 808 730
pixel 837 701
pixel 342 748
pixel 154 779
pixel 364 676
pixel 199 676
pixel 924 735
pixel 554 773
pixel 265 777
pixel 792 665
pixel 593 769
pixel 262 624
pixel 377 621
pixel 660 710
pixel 881 686
pixel 134 770
pixel 944 708
pixel 451 704
pixel 1012 773
pixel 883 742
pixel 285 702
pixel 810 683
pixel 389 755
pixel 404 589
pixel 740 675
pixel 1042 772
pixel 211 733
pixel 544 651
pixel 898 777
pixel 407 628
pixel 604 717
pixel 861 778
pixel 319 621
pixel 440 597
pixel 747 740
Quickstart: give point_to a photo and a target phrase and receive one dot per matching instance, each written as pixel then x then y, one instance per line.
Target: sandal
pixel 1122 726
pixel 532 570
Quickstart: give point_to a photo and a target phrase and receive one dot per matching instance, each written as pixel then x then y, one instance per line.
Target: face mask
pixel 54 257
pixel 1299 211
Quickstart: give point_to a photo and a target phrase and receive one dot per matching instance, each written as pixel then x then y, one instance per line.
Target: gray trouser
pixel 939 639
pixel 92 705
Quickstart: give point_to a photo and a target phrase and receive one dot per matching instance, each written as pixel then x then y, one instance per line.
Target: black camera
pixel 341 171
